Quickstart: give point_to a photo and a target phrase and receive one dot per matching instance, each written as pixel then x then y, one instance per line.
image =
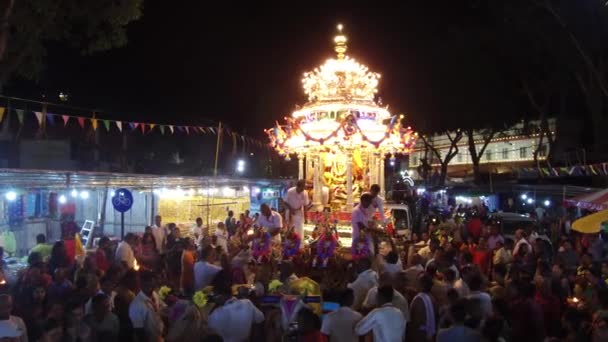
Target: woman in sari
pixel 149 257
pixel 187 274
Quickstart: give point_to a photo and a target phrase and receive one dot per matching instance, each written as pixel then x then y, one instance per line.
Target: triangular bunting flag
pixel 65 118
pixel 94 124
pixel 2 109
pixel 162 129
pixel 142 126
pixel 50 117
pixel 20 115
pixel 187 130
pixel 80 122
pixel 211 129
pixel 39 117
pixel 203 130
pixel 152 126
pixel 171 128
pixel 133 125
pixel 118 125
pixel 106 123
pixel 180 128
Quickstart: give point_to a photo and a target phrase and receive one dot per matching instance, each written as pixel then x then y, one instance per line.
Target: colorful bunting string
pixel 39 117
pixel 43 118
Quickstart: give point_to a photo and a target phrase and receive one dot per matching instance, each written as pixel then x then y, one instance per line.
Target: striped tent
pixel 594 201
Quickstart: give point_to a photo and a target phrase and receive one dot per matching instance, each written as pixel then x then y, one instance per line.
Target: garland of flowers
pixel 363 252
pixel 324 251
pixel 200 299
pixel 295 249
pixel 349 125
pixel 163 292
pixel 274 285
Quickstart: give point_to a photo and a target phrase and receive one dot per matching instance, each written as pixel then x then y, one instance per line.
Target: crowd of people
pixel 457 278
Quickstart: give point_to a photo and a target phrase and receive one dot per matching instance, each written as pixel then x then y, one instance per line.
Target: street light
pixel 240 166
pixel 11 196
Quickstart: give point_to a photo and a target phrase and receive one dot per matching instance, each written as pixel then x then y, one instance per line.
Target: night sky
pixel 188 63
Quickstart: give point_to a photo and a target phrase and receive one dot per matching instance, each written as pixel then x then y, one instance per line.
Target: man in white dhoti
pixel 296 201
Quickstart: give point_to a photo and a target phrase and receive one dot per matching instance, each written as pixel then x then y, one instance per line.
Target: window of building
pixel 505 153
pixel 414 159
pixel 488 155
pixel 459 157
pixel 523 152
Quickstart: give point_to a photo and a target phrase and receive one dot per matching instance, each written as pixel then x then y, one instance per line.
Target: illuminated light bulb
pixel 245 189
pixel 547 203
pixel 530 200
pixel 112 194
pixel 84 194
pixel 74 193
pixel 62 199
pixel 524 196
pixel 11 196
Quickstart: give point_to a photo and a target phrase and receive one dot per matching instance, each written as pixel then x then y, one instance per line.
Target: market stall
pixel 51 202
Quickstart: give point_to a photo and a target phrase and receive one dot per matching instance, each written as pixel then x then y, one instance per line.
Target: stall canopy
pixel 591 224
pixel 56 180
pixel 595 201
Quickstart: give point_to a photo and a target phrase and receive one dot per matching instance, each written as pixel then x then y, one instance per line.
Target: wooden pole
pixel 217 148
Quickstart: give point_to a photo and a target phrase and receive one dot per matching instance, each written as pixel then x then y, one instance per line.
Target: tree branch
pixel 584 55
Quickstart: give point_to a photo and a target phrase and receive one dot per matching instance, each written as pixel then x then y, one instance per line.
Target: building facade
pixel 509 148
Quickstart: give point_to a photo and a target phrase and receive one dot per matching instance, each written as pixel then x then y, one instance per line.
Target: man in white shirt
pixel 296 201
pixel 377 202
pixel 428 251
pixel 366 279
pixel 360 216
pixel 371 300
pixel 145 309
pixel 160 233
pixel 339 325
pixel 272 221
pixel 11 327
pixel 124 251
pixel 520 239
pixel 204 269
pixel 386 322
pixel 197 229
pixel 234 318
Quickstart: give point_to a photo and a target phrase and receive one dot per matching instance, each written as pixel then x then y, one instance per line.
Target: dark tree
pixel 30 25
